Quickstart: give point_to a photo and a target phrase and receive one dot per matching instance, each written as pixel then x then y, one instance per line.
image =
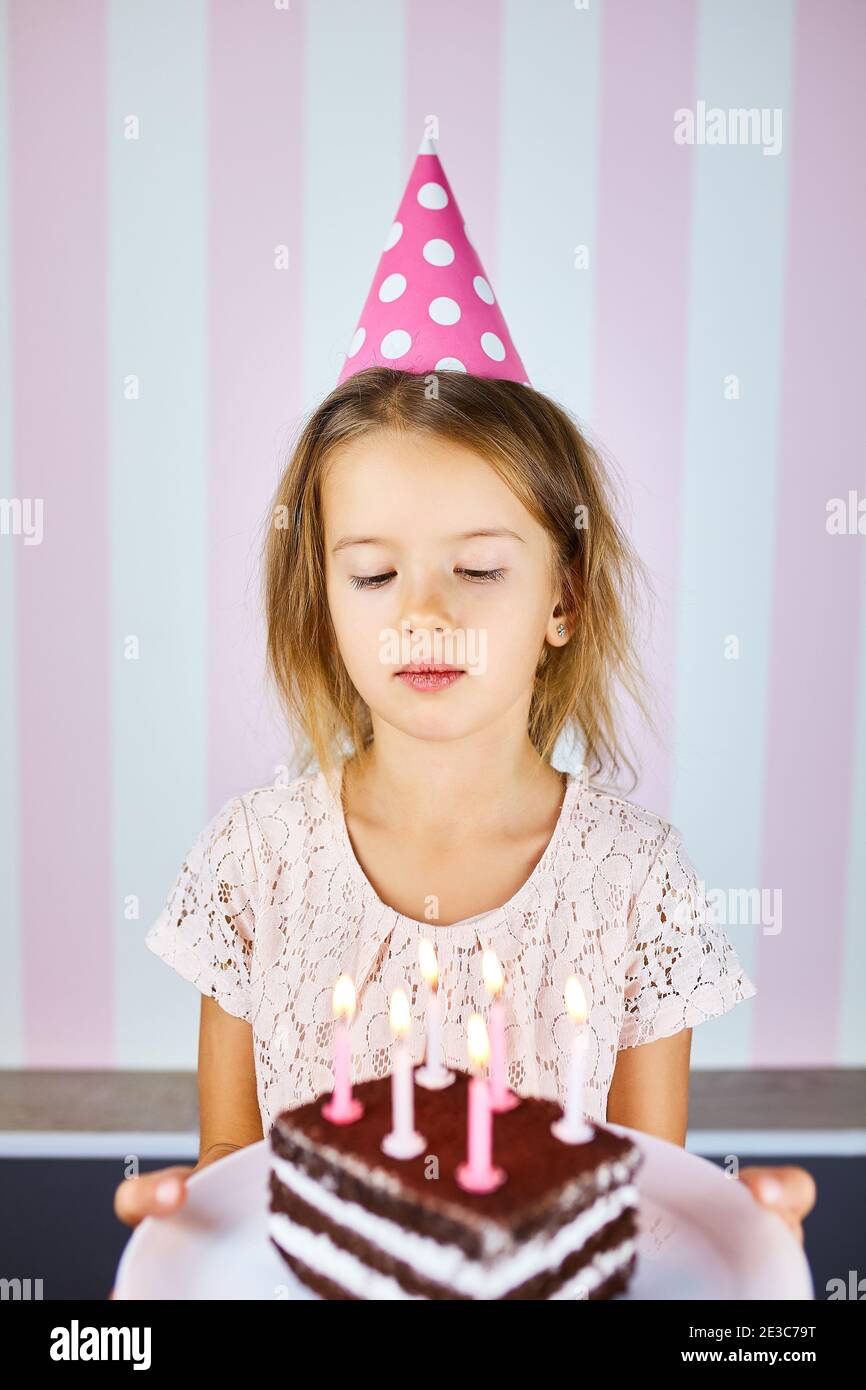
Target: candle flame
pixel 428 962
pixel 492 972
pixel 344 997
pixel 400 1017
pixel 575 999
pixel 478 1041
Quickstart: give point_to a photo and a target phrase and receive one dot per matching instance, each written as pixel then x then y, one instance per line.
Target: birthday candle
pixel 500 1097
pixel 433 1075
pixel 478 1173
pixel 404 1141
pixel 343 1108
pixel 572 1127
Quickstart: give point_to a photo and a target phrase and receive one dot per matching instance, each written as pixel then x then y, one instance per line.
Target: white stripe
pixel 606 1262
pixel 551 312
pixel 86 1144
pixel 735 325
pixel 322 1256
pixel 160 462
pixel 356 162
pixel 777 1142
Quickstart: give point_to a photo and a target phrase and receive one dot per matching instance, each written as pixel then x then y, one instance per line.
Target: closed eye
pixel 482 576
pixel 373 581
pixel 376 581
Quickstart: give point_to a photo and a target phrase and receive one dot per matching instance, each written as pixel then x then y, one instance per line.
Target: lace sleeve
pixel 680 965
pixel 205 929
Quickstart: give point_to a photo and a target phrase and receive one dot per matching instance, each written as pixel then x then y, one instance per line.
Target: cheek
pixel 358 621
pixel 515 629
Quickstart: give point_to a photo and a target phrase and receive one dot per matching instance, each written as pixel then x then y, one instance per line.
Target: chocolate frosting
pixel 547 1184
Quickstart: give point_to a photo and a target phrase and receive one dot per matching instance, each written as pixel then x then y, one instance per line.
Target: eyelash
pixel 378 581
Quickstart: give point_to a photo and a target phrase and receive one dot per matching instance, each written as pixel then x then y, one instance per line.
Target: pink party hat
pixel 430 307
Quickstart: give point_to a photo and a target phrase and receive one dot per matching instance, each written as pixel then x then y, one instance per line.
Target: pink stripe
pixel 58 108
pixel 453 71
pixel 256 144
pixel 813 676
pixel 642 269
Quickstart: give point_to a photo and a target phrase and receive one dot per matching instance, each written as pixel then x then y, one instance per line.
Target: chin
pixel 431 725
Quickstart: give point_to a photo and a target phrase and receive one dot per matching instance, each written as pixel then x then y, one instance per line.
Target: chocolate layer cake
pixel 353 1223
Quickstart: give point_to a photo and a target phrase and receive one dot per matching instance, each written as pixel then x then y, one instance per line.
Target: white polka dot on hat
pixel 431 307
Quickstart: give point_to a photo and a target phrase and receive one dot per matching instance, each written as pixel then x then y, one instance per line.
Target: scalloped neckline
pixel 333 795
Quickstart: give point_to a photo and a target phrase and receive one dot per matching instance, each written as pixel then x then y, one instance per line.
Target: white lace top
pixel 271 905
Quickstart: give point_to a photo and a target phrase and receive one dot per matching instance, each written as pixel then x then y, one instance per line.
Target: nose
pixel 427 611
pixel 416 621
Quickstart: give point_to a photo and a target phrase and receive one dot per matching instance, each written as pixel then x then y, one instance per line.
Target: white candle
pixel 500 1097
pixel 434 1032
pixel 572 1127
pixel 576 1080
pixel 402 1106
pixel 433 1075
pixel 403 1141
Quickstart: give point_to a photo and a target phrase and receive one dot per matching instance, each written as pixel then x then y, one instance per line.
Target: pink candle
pixel 343 1108
pixel 500 1097
pixel 478 1173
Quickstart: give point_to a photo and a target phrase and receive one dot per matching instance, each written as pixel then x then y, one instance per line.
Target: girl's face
pixel 432 560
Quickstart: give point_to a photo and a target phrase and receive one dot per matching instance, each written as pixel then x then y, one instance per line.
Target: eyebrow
pixel 346 541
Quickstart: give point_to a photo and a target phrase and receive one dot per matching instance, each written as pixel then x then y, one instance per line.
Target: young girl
pixel 445 818
pixel 448 594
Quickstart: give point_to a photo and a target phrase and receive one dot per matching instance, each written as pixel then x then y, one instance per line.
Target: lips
pixel 419 668
pixel 429 678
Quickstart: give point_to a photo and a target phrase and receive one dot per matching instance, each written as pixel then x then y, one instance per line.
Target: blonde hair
pixel 539 451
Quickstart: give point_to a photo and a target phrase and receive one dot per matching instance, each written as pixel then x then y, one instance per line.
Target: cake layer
pixel 427 1268
pixel 549 1183
pixel 334 1273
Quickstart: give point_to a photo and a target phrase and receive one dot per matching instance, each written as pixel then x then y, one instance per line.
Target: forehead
pixel 435 482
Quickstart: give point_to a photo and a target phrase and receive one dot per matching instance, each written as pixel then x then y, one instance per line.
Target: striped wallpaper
pixel 701 307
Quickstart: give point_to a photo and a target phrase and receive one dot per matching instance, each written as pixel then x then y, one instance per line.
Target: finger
pixel 767 1191
pixel 152 1194
pixel 788 1189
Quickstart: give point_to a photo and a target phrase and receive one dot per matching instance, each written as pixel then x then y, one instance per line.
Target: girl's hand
pixel 153 1194
pixel 790 1192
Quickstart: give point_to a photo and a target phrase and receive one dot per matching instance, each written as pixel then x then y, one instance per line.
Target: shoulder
pixel 287 811
pixel 616 820
pixel 616 828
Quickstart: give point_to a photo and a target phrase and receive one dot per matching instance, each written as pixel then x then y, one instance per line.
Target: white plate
pixel 702 1235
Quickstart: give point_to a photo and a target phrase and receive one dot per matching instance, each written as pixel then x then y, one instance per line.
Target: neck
pixel 484 781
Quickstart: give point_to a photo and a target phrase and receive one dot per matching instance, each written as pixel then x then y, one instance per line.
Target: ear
pixel 558 628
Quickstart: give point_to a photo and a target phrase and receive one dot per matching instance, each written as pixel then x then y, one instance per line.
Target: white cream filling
pixel 322 1256
pixel 447 1264
pixel 605 1263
